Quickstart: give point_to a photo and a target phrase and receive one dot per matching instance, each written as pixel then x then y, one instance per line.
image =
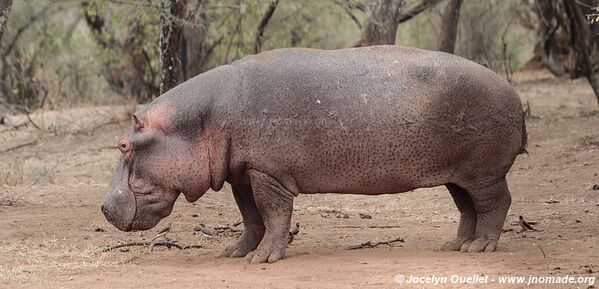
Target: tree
pixel 263 23
pixel 4 13
pixel 196 47
pixel 381 25
pixel 385 16
pixel 553 32
pixel 449 26
pixel 581 40
pixel 171 26
pixel 128 60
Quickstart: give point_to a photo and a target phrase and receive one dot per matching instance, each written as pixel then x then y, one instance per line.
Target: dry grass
pixel 8 198
pixel 51 257
pixel 588 143
pixel 17 173
pixel 12 175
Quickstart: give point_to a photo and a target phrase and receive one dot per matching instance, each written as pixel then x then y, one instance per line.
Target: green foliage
pixel 74 52
pixel 484 28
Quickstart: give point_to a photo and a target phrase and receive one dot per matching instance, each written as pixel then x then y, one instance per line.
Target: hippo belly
pixel 371 124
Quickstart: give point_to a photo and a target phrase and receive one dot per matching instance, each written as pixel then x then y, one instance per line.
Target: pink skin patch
pixel 159 117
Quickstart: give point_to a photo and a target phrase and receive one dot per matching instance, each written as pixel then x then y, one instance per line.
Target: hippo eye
pixel 138 126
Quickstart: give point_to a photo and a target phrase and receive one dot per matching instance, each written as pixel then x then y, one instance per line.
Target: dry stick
pixel 114 121
pixel 234 224
pixel 371 227
pixel 369 244
pixel 231 227
pixel 19 146
pixel 152 245
pixel 33 123
pixel 540 248
pixel 129 260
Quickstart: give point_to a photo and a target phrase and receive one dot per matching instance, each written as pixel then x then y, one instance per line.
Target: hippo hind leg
pixel 468 218
pixel 253 225
pixel 492 203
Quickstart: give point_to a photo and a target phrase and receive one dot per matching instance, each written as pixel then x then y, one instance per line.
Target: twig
pixel 347 6
pixel 30 143
pixel 424 5
pixel 369 244
pixel 371 226
pixel 231 227
pixel 22 29
pixel 129 260
pixel 540 248
pixel 93 130
pixel 33 123
pixel 167 244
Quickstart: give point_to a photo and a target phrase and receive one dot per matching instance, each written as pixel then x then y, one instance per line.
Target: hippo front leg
pixel 253 225
pixel 275 204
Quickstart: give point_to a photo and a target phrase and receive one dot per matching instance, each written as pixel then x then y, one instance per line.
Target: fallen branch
pixel 30 143
pixel 369 244
pixel 371 227
pixel 129 260
pixel 93 130
pixel 541 248
pixel 230 227
pixel 167 244
pixel 33 123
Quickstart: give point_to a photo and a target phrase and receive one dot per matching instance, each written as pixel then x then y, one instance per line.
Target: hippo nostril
pixel 125 145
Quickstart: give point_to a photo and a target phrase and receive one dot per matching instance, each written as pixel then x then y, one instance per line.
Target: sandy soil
pixel 51 227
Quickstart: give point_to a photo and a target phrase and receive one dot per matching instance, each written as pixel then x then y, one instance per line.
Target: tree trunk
pixel 262 26
pixel 581 40
pixel 5 6
pixel 449 26
pixel 194 41
pixel 381 25
pixel 171 26
pixel 551 49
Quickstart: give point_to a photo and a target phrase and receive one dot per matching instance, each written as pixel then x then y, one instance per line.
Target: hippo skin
pixel 370 121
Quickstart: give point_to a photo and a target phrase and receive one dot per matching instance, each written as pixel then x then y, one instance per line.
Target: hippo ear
pixel 137 123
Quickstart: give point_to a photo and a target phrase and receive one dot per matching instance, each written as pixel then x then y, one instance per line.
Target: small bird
pixel 294 231
pixel 163 231
pixel 204 230
pixel 524 224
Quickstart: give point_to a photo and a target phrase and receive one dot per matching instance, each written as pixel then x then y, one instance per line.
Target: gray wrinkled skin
pixel 375 120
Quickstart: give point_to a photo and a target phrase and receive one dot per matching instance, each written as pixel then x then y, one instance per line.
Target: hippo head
pixel 157 163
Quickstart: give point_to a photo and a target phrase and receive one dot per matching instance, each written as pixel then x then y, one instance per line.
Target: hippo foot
pixel 268 251
pixel 480 245
pixel 456 244
pixel 246 243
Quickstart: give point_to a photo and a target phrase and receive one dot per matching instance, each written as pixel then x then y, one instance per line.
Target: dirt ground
pixel 51 227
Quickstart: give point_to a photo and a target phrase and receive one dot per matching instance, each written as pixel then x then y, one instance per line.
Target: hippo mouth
pixel 120 206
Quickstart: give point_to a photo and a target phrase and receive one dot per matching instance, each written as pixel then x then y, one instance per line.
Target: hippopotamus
pixel 370 121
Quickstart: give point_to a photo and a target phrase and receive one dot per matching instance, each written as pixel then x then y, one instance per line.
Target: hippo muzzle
pixel 119 208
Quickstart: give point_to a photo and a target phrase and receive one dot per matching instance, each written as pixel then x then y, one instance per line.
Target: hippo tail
pixel 524 135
